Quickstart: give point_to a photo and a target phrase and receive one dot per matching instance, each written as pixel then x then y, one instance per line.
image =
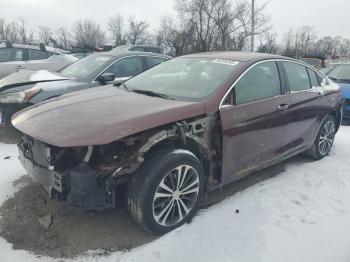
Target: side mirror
pixel 106 77
pixel 118 80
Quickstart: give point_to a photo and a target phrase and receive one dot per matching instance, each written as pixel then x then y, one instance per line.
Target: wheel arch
pixel 191 144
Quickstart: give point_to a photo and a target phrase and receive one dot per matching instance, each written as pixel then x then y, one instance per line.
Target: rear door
pixel 11 60
pixel 253 121
pixel 38 60
pixel 305 109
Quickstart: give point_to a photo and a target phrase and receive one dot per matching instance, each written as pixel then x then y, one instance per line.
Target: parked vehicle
pixel 141 48
pixel 191 124
pixel 26 88
pixel 340 73
pixel 317 63
pixel 15 57
pixel 81 55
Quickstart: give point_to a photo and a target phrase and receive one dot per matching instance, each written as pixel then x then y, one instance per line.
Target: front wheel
pixel 324 139
pixel 165 192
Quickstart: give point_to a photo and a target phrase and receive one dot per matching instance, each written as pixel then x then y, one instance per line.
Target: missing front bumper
pixel 79 186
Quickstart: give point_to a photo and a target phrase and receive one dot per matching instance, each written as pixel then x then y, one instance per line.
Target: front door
pixel 253 121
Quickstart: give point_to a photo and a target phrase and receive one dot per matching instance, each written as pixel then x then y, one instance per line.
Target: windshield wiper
pixel 339 80
pixel 344 80
pixel 151 93
pixel 333 78
pixel 123 85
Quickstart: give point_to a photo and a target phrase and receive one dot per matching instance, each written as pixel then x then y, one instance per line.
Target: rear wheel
pixel 166 190
pixel 324 139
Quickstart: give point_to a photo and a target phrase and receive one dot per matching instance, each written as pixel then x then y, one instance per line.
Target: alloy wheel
pixel 175 195
pixel 326 138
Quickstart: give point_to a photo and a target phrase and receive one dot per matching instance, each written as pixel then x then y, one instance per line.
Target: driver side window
pixel 126 67
pixel 260 82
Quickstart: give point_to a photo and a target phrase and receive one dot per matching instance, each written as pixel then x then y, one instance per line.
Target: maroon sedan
pixel 191 124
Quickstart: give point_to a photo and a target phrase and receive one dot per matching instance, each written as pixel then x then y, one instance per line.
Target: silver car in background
pixel 14 57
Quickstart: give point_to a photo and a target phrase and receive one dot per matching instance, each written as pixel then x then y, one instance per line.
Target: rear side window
pixel 297 75
pixel 153 61
pixel 11 54
pixel 313 78
pixel 37 54
pixel 153 50
pixel 262 81
pixel 140 49
pixel 126 67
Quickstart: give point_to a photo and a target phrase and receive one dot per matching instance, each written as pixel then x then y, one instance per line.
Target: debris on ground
pixel 45 221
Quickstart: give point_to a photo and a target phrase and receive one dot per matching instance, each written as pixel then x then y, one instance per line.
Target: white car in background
pixel 14 57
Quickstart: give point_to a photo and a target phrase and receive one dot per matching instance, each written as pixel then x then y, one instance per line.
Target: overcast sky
pixel 329 17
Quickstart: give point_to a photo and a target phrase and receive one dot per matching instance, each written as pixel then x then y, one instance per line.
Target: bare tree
pixel 137 30
pixel 196 14
pixel 63 38
pixel 88 33
pixel 269 44
pixel 45 34
pixel 25 35
pixel 221 24
pixel 243 31
pixel 173 38
pixel 115 27
pixel 9 31
pixel 345 47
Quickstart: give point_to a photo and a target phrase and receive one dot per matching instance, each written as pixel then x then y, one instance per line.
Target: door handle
pixel 282 107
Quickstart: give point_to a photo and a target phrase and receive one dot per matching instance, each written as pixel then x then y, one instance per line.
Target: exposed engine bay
pixel 90 176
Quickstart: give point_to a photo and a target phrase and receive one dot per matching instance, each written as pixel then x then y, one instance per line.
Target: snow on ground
pixel 303 214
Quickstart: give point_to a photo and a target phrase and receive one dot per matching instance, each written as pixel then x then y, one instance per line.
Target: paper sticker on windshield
pixel 102 58
pixel 225 62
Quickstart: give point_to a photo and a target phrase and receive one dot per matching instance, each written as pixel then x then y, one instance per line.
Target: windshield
pixel 189 79
pixel 86 66
pixel 340 72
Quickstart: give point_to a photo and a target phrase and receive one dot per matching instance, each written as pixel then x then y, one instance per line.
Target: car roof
pixel 237 56
pixel 36 47
pixel 120 54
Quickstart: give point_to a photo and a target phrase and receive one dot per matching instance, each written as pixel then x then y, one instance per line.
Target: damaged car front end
pixel 90 176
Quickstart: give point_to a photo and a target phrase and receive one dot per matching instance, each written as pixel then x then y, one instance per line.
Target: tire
pixel 150 202
pixel 322 146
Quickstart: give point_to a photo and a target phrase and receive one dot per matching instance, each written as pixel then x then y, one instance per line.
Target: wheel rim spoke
pixel 190 185
pixel 165 187
pixel 183 206
pixel 159 195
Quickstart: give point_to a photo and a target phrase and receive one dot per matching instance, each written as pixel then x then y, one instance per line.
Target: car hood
pixel 28 77
pixel 100 116
pixel 345 90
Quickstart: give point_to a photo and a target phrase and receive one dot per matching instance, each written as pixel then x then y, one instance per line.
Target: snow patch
pixel 44 75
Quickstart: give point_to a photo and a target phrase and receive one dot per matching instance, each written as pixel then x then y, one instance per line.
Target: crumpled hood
pixel 28 77
pixel 345 90
pixel 100 116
